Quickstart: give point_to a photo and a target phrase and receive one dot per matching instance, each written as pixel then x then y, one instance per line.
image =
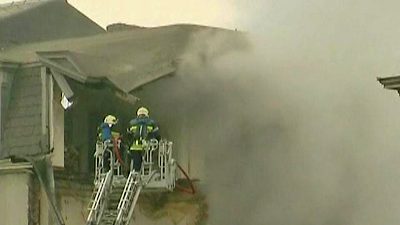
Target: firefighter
pixel 105 136
pixel 141 130
pixel 105 133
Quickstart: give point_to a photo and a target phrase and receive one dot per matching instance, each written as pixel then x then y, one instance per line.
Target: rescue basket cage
pixel 157 163
pixel 112 188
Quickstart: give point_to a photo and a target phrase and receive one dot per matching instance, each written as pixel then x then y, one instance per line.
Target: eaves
pixel 392 83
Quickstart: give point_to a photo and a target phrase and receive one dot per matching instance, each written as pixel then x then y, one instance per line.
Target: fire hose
pixel 190 190
pixel 117 151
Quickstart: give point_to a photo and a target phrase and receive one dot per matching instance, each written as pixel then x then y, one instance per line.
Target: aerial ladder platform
pixel 114 196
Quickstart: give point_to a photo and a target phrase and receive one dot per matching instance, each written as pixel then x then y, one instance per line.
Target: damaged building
pixel 60 75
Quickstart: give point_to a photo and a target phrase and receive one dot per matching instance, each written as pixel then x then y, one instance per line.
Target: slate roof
pixel 13 8
pixel 34 21
pixel 25 22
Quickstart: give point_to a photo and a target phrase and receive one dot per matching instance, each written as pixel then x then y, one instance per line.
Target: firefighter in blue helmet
pixel 141 130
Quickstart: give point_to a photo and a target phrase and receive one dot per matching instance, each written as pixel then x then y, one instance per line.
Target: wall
pixel 14 204
pixel 57 126
pixel 23 127
pixel 6 80
pixel 171 209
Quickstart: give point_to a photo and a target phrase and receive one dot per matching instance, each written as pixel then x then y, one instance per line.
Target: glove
pixel 145 143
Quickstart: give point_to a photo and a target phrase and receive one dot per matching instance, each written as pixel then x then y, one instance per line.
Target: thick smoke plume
pixel 284 139
pixel 295 129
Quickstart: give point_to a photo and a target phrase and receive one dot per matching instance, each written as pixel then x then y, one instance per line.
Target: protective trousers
pixel 136 157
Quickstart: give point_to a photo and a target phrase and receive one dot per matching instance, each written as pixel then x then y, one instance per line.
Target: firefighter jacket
pixel 140 130
pixel 104 132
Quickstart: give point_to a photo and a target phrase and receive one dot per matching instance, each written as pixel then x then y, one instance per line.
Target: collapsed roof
pixel 128 59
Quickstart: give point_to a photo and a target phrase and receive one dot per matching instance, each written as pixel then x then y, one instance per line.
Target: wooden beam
pixel 74 75
pixel 2 111
pixel 45 108
pixel 63 84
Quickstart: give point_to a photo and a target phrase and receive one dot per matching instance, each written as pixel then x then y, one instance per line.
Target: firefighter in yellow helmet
pixel 106 138
pixel 140 130
pixel 105 128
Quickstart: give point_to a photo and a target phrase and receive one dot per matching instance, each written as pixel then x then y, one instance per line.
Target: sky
pixel 155 13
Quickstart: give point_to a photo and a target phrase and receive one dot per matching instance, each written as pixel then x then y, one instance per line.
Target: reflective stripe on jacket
pixel 141 129
pixel 137 146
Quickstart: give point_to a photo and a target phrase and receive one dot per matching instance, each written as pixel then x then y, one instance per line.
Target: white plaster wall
pixel 172 217
pixel 14 192
pixel 58 129
pixel 44 208
pixel 73 210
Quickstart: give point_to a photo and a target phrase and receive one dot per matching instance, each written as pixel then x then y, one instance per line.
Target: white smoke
pixel 291 139
pixel 295 130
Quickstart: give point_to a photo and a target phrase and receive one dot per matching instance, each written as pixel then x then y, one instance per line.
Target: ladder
pixel 104 186
pixel 111 210
pixel 114 197
pixel 99 198
pixel 129 198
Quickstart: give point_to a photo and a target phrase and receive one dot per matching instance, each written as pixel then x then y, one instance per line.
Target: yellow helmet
pixel 111 120
pixel 143 111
